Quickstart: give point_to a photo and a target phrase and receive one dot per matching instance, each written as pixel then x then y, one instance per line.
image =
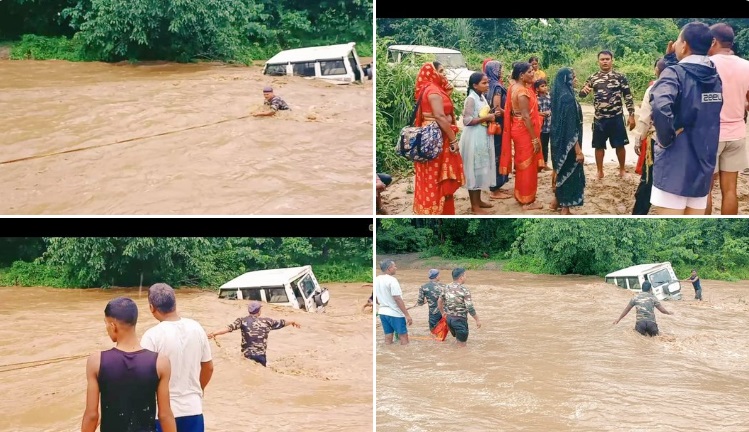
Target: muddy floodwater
pixel 176 139
pixel 318 377
pixel 547 358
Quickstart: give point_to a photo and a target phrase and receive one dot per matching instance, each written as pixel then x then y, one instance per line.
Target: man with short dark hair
pixel 130 380
pixel 610 92
pixel 645 302
pixel 695 284
pixel 455 304
pixel 393 312
pixel 185 342
pixel 732 150
pixel 687 99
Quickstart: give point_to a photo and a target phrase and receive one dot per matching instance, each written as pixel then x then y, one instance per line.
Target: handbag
pixel 494 128
pixel 419 143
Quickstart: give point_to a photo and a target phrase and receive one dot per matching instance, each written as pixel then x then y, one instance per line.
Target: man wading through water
pixel 456 303
pixel 645 302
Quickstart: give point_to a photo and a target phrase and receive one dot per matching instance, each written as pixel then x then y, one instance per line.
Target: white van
pixel 338 64
pixel 456 70
pixel 294 286
pixel 665 284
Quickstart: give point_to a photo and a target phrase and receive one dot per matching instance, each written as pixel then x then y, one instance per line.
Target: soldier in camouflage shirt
pixel 646 303
pixel 456 304
pixel 275 103
pixel 611 91
pixel 255 331
pixel 430 293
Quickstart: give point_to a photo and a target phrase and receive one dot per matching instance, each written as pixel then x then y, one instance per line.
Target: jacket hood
pixel 702 73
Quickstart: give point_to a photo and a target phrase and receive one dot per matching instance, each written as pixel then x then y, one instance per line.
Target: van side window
pixel 332 67
pixel 634 283
pixel 304 69
pixel 277 295
pixel 275 70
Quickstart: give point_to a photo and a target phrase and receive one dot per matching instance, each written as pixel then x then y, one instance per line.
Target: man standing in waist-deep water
pixel 646 303
pixel 456 303
pixel 430 293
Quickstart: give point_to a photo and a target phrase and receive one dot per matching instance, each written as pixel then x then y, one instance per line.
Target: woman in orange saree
pixel 437 180
pixel 522 127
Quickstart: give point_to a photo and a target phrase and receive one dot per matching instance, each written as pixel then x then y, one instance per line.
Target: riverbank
pixel 425 261
pixel 24 274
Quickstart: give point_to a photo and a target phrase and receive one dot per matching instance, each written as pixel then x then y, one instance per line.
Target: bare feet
pixel 565 211
pixel 500 194
pixel 479 211
pixel 622 172
pixel 600 175
pixel 484 204
pixel 533 206
pixel 554 204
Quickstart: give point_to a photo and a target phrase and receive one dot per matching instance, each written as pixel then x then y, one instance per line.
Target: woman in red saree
pixel 437 180
pixel 522 127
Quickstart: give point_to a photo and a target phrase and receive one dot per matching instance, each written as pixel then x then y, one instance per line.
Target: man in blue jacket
pixel 686 101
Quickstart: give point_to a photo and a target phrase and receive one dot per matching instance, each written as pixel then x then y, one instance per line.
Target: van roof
pixel 423 49
pixel 327 52
pixel 636 270
pixel 264 278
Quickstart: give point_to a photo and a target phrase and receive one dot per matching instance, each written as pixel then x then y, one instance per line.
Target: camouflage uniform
pixel 608 89
pixel 458 304
pixel 276 103
pixel 646 302
pixel 430 292
pixel 255 335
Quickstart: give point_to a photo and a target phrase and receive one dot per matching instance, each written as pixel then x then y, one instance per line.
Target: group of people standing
pixel 453 302
pixel 694 115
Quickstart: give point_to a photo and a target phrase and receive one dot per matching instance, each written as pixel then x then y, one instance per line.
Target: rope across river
pixel 39 156
pixel 35 363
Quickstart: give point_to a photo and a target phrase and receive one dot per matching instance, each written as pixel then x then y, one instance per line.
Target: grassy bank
pixel 33 47
pixel 33 274
pixel 528 264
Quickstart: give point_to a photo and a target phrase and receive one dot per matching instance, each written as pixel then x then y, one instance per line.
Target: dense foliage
pixel 588 246
pixel 193 261
pixel 635 42
pixel 243 30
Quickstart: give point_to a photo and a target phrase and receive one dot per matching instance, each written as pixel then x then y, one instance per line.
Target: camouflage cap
pixel 254 307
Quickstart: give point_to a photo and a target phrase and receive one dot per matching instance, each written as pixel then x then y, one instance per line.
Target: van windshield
pixel 452 61
pixel 659 278
pixel 307 286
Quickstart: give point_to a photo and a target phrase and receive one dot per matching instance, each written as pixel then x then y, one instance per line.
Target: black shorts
pixel 611 129
pixel 458 327
pixel 649 328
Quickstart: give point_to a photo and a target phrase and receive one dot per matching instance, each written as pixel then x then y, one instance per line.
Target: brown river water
pixel 318 376
pixel 547 358
pixel 186 151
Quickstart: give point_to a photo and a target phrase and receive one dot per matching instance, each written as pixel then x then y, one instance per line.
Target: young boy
pixel 544 108
pixel 129 379
pixel 274 102
pixel 255 331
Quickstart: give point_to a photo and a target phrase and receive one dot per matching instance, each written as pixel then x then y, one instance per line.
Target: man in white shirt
pixel 732 153
pixel 186 344
pixel 393 312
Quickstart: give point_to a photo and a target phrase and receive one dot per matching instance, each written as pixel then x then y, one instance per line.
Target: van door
pixel 660 280
pixel 356 67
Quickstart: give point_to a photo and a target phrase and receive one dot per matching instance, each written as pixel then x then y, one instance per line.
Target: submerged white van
pixel 456 70
pixel 665 284
pixel 338 64
pixel 296 287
